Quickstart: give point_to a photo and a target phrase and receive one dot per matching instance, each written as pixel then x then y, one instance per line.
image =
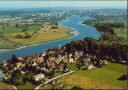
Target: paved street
pixel 54 79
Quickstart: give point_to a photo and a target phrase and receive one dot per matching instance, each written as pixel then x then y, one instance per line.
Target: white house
pixel 43 54
pixel 105 62
pixel 38 77
pixel 71 60
pixel 70 55
pixel 90 66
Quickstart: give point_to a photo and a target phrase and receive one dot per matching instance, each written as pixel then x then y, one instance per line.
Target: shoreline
pixel 74 35
pixel 71 33
pixel 45 42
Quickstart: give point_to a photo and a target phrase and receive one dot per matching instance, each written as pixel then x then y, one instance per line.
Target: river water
pixel 73 22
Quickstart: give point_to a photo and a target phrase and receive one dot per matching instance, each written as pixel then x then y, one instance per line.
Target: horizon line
pixel 63 0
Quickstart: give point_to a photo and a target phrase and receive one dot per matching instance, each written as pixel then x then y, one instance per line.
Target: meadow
pixel 98 78
pixel 36 33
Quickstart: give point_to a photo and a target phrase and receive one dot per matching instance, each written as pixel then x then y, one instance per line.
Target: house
pixel 20 58
pixel 43 54
pixel 70 55
pixel 18 64
pixel 23 72
pixel 104 62
pixel 34 64
pixel 123 62
pixel 38 77
pixel 61 68
pixel 88 66
pixel 78 55
pixel 40 60
pixel 44 69
pixel 5 63
pixel 71 60
pixel 53 65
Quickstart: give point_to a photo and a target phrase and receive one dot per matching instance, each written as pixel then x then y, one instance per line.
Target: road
pixel 38 87
pixel 14 87
pixel 6 78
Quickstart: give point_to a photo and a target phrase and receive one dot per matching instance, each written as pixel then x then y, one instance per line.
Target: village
pixel 41 67
pixel 92 60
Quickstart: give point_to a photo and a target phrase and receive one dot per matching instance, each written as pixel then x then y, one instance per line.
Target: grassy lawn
pixel 113 20
pixel 72 66
pixel 121 32
pixel 28 85
pixel 4 86
pixel 100 78
pixel 5 45
pixel 13 29
pixel 107 74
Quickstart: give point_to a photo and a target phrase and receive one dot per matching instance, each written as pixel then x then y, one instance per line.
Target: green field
pixel 41 36
pixel 100 78
pixel 38 35
pixel 114 20
pixel 13 29
pixel 4 86
pixel 5 45
pixel 28 85
pixel 121 32
pixel 107 74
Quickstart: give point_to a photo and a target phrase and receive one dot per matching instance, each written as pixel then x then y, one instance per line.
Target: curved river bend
pixel 73 22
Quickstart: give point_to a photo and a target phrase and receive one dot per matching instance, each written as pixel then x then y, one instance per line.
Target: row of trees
pixel 110 52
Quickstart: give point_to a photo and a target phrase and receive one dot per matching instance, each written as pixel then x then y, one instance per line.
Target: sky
pixel 34 4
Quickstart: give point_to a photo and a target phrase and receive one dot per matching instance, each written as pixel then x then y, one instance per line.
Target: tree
pixel 16 25
pixel 14 59
pixel 3 27
pixel 76 88
pixel 24 30
pixel 26 26
pixel 80 63
pixel 17 77
pixel 28 76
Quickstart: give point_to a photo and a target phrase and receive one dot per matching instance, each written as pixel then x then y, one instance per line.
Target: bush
pixel 19 36
pixel 27 36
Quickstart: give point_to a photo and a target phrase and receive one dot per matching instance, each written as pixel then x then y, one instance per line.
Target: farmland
pixel 100 78
pixel 36 35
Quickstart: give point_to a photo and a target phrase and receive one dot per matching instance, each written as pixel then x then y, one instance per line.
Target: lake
pixel 73 22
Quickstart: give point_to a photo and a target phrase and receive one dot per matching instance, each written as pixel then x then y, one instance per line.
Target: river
pixel 73 22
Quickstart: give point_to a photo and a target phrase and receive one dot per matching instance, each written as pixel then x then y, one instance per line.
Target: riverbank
pixel 79 32
pixel 41 37
pixel 97 58
pixel 5 45
pixel 114 32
